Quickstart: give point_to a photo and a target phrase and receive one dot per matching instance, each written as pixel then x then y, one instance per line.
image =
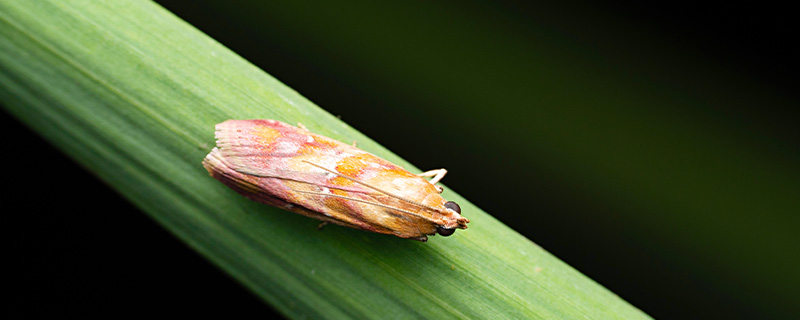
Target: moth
pixel 291 168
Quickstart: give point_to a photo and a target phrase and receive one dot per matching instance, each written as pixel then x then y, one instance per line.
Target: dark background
pixel 718 67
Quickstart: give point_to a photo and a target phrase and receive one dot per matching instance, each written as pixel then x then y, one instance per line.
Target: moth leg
pixel 437 175
pixel 355 143
pixel 421 239
pixel 301 126
pixel 322 224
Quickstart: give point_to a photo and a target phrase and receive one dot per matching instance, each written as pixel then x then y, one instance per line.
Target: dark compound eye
pixel 453 206
pixel 444 231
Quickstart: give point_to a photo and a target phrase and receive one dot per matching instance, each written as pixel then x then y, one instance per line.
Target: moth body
pixel 291 168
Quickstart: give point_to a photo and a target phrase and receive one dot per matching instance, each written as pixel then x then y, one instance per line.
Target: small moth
pixel 291 168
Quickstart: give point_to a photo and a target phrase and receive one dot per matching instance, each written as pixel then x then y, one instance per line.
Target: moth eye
pixel 444 231
pixel 453 206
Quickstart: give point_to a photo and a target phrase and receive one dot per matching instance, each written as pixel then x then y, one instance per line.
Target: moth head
pixel 460 221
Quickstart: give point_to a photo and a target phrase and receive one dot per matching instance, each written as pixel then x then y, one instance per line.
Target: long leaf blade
pixel 133 93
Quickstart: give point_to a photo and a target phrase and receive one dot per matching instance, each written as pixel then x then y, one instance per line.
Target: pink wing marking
pixel 268 148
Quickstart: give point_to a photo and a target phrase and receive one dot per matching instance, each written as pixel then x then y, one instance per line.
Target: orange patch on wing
pixel 352 166
pixel 325 142
pixel 265 135
pixel 308 148
pixel 340 181
pixel 397 171
pixel 316 144
pixel 336 203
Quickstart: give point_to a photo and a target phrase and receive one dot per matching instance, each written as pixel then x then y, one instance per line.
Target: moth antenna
pixel 375 188
pixel 349 190
pixel 362 201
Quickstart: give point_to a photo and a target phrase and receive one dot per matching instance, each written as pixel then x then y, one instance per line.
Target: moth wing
pixel 347 209
pixel 269 148
pixel 322 213
pixel 288 194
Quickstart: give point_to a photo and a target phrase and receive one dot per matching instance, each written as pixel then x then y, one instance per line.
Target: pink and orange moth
pixel 291 168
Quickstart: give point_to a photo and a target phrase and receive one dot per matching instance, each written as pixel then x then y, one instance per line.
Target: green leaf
pixel 133 94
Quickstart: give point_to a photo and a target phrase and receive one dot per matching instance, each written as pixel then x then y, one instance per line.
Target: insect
pixel 291 168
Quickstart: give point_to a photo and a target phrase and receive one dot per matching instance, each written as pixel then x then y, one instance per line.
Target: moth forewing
pixel 288 167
